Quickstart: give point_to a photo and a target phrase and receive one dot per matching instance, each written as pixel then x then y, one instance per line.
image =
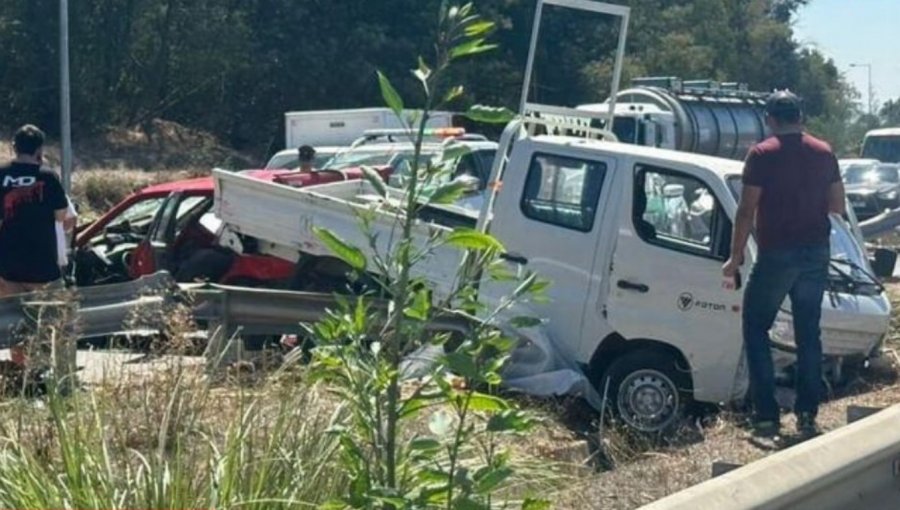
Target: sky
pixel 857 32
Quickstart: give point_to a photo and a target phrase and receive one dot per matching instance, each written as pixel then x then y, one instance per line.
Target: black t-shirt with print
pixel 29 197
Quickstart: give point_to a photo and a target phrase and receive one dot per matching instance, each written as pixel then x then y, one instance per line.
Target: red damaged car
pixel 172 227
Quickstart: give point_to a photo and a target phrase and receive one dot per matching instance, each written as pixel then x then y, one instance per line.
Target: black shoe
pixel 806 426
pixel 766 428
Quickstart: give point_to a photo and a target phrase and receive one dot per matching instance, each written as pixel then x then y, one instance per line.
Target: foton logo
pixel 686 303
pixel 18 182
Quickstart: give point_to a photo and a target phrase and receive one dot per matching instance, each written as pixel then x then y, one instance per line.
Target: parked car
pixel 883 145
pixel 288 159
pixel 872 188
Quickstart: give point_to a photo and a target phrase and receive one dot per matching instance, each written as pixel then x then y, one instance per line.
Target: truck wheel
pixel 648 390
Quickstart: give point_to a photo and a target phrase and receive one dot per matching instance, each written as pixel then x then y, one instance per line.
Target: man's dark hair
pixel 306 153
pixel 28 139
pixel 785 107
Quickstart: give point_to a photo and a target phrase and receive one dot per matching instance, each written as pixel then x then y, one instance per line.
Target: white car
pixel 287 158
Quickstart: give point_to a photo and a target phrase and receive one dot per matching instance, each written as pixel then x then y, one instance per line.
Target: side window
pixel 679 212
pixel 563 191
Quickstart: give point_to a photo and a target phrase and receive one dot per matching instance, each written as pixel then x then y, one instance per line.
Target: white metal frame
pixel 565 117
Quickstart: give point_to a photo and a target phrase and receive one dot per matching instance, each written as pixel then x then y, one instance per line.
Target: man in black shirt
pixel 32 200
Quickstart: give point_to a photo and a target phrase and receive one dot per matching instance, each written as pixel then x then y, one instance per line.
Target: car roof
pixel 892 131
pixel 721 167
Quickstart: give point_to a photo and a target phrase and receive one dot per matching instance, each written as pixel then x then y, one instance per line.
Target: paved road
pixel 99 365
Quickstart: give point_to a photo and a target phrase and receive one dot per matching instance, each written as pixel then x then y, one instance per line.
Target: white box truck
pixel 341 127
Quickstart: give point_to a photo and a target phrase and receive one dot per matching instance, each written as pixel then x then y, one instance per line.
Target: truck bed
pixel 282 218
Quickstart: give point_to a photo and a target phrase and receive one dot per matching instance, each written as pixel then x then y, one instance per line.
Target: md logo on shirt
pixel 10 181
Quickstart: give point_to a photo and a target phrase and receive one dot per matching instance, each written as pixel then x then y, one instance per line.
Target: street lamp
pixel 869 68
pixel 65 115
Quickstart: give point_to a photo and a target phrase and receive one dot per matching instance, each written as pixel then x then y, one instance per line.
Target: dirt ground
pixel 618 473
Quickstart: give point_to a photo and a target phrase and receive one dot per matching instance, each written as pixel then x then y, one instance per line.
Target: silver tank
pixel 718 120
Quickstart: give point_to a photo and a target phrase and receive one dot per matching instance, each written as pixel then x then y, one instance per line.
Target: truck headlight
pixel 890 196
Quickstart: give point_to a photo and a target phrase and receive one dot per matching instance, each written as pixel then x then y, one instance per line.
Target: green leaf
pixel 440 423
pixel 375 180
pixel 479 28
pixel 473 47
pixel 420 307
pixel 536 504
pixel 470 239
pixel 346 252
pixel 461 364
pixel 454 93
pixel 389 94
pixel 490 114
pixel 525 286
pixel 466 503
pixel 490 480
pixel 455 151
pixel 425 445
pixel 447 193
pixel 487 403
pixel 525 322
pixel 423 73
pixel 510 420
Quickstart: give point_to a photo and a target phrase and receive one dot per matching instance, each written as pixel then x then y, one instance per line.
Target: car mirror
pixel 883 263
pixel 471 185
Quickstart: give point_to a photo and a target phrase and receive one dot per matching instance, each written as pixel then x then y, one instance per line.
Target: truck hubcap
pixel 648 400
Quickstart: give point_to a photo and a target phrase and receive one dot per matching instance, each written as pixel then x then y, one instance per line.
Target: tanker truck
pixel 699 116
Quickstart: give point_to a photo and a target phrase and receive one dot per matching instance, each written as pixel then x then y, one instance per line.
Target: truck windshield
pixel 625 129
pixel 882 148
pixel 843 245
pixel 871 174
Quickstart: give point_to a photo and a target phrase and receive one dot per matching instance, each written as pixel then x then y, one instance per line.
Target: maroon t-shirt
pixel 795 172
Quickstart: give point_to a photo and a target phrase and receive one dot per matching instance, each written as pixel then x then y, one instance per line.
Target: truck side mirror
pixel 883 263
pixel 471 185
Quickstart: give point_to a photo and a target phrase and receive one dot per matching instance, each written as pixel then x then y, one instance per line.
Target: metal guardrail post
pixel 50 326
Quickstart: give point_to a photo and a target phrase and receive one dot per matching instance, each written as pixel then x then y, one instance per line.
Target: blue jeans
pixel 802 274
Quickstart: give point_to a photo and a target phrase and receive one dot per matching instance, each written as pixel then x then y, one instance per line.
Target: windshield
pixel 369 157
pixel 138 214
pixel 882 148
pixel 844 245
pixel 288 161
pixel 871 174
pixel 625 129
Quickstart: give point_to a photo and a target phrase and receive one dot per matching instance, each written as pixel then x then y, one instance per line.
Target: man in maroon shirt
pixel 791 184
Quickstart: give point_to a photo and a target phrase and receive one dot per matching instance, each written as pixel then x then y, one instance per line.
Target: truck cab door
pixel 550 218
pixel 666 281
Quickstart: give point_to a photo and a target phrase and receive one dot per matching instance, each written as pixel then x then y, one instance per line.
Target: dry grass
pixel 644 473
pixel 97 190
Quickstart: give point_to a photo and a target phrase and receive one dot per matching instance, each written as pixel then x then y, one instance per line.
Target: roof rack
pixel 700 88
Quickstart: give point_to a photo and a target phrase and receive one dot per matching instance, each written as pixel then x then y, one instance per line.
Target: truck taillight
pixel 445 132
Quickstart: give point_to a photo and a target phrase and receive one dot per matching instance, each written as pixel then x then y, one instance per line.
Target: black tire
pixel 648 389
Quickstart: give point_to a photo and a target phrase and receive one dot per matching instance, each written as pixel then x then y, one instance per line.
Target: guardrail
pixel 854 467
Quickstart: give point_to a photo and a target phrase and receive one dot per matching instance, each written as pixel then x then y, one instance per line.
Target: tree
pixel 890 112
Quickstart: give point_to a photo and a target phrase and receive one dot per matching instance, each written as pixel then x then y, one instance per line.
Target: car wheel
pixel 648 390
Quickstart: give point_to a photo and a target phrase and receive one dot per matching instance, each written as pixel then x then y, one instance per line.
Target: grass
pixel 97 190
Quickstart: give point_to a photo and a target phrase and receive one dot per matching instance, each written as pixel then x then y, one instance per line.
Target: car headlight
pixel 890 195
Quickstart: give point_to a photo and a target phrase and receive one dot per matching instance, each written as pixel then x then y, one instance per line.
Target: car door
pixel 151 255
pixel 666 280
pixel 549 217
